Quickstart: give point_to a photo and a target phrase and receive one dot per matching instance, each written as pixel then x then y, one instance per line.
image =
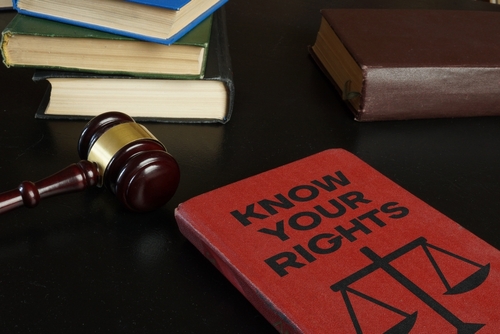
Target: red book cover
pixel 327 244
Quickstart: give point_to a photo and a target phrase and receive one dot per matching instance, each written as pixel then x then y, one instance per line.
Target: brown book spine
pixel 429 92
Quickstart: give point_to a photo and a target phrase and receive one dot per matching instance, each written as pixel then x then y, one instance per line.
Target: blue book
pixel 126 18
pixel 170 4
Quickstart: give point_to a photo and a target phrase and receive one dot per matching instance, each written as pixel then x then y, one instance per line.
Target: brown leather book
pixel 412 63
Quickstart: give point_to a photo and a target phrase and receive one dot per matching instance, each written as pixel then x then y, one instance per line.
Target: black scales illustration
pixel 384 263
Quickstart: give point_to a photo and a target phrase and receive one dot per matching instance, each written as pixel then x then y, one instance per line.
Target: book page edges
pixel 340 65
pixel 6 35
pixel 192 99
pixel 155 60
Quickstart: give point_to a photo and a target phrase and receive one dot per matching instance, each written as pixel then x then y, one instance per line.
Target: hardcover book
pixel 131 19
pixel 29 41
pixel 412 63
pixel 73 95
pixel 327 244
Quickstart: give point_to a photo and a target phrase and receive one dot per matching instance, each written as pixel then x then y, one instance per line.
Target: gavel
pixel 116 152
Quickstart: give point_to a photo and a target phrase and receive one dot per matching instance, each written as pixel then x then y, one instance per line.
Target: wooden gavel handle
pixel 75 177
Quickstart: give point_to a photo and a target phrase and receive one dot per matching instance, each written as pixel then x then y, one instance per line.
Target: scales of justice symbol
pixel 384 263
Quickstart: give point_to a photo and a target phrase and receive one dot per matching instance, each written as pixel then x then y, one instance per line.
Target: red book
pixel 327 244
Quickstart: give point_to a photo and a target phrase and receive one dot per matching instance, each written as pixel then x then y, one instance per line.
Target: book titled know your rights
pixel 327 244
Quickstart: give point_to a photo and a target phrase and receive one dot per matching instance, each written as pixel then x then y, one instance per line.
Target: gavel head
pixel 131 162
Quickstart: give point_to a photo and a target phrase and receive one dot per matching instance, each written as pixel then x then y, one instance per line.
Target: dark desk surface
pixel 80 263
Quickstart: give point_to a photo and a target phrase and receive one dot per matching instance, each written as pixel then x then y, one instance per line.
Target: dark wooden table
pixel 80 263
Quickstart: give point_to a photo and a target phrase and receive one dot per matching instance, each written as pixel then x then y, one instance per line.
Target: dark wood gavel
pixel 116 152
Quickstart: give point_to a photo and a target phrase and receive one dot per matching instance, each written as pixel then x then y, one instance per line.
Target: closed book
pixel 170 4
pixel 29 41
pixel 327 244
pixel 78 95
pixel 131 19
pixel 412 63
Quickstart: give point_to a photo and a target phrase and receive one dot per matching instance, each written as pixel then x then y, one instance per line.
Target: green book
pixel 33 42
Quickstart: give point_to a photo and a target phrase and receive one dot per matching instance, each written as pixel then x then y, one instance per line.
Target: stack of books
pixel 162 60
